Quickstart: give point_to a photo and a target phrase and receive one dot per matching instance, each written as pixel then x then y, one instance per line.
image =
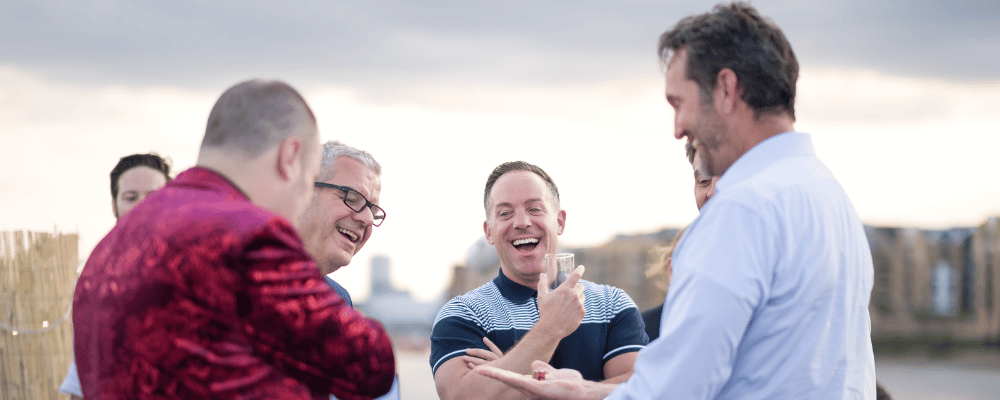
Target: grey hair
pixel 334 149
pixel 254 116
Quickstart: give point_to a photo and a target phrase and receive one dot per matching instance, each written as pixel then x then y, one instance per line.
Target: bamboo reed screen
pixel 37 278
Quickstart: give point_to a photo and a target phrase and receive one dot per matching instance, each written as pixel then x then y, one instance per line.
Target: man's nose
pixel 522 219
pixel 678 131
pixel 367 216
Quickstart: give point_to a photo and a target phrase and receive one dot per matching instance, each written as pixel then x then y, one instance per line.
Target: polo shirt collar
pixel 513 291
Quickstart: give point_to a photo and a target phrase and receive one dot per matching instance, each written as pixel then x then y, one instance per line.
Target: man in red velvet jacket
pixel 205 290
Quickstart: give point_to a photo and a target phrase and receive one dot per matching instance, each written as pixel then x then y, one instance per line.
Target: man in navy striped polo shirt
pixel 594 329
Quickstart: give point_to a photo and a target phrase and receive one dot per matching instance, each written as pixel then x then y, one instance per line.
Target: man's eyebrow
pixel 528 201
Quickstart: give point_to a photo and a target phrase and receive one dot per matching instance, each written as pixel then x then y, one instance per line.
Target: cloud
pixel 908 151
pixel 925 38
pixel 853 97
pixel 387 48
pixel 62 139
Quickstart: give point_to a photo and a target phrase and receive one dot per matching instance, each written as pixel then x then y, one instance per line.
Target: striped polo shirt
pixel 503 311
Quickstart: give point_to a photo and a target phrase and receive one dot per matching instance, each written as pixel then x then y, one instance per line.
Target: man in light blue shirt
pixel 771 285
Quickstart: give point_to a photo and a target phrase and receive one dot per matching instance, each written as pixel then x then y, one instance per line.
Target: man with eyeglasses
pixel 205 291
pixel 342 214
pixel 339 219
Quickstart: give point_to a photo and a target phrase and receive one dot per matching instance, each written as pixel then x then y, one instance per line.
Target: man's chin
pixel 532 267
pixel 331 267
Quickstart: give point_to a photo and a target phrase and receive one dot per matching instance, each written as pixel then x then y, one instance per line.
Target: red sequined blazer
pixel 197 293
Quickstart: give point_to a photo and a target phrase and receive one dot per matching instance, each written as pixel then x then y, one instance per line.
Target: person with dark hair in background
pixel 704 189
pixel 704 184
pixel 132 179
pixel 135 177
pixel 593 329
pixel 771 286
pixel 205 290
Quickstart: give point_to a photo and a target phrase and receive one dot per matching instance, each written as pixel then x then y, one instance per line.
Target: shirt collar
pixel 513 291
pixel 782 145
pixel 207 179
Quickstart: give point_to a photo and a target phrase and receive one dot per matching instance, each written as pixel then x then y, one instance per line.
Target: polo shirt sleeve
pixel 626 331
pixel 455 330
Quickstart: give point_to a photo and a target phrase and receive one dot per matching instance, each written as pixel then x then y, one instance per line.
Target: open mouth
pixel 353 237
pixel 526 244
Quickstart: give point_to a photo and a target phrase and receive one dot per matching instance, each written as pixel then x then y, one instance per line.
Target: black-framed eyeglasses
pixel 357 201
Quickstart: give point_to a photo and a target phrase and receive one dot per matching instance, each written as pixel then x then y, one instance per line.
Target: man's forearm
pixel 597 390
pixel 535 345
pixel 473 386
pixel 562 386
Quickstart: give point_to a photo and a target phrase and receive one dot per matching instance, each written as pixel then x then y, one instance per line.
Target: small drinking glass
pixel 558 266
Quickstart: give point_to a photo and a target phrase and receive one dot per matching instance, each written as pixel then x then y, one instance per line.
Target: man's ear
pixel 114 207
pixel 486 231
pixel 726 92
pixel 290 154
pixel 561 219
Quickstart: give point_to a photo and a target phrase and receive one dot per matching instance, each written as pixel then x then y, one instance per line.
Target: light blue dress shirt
pixel 71 384
pixel 770 290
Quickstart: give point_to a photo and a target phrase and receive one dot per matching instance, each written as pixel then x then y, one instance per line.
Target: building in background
pixel 621 263
pixel 408 321
pixel 932 287
pixel 939 287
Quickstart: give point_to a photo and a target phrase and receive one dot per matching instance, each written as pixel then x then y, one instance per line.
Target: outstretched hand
pixel 557 384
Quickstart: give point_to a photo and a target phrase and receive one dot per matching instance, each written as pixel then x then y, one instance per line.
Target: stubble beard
pixel 710 131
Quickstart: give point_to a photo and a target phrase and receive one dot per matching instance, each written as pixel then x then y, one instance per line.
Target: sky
pixel 899 97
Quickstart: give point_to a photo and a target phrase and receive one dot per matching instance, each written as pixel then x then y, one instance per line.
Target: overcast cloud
pixel 900 99
pixel 398 46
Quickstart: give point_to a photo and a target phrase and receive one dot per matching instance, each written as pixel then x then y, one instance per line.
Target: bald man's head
pixel 255 115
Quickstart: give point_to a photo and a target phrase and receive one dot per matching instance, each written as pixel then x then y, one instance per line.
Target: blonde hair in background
pixel 657 269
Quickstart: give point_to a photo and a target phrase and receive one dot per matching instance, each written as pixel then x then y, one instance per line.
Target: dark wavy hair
pixel 736 37
pixel 151 160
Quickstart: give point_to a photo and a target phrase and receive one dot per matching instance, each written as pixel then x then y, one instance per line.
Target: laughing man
pixel 343 214
pixel 591 328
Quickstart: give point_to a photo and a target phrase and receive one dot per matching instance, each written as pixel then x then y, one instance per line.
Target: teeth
pixel 352 235
pixel 519 242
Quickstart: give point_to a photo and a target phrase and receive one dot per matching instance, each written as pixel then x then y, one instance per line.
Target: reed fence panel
pixel 37 278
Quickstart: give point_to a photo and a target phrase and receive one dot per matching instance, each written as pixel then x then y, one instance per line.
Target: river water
pixel 962 377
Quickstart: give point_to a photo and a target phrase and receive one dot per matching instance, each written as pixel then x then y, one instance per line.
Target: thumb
pixel 575 276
